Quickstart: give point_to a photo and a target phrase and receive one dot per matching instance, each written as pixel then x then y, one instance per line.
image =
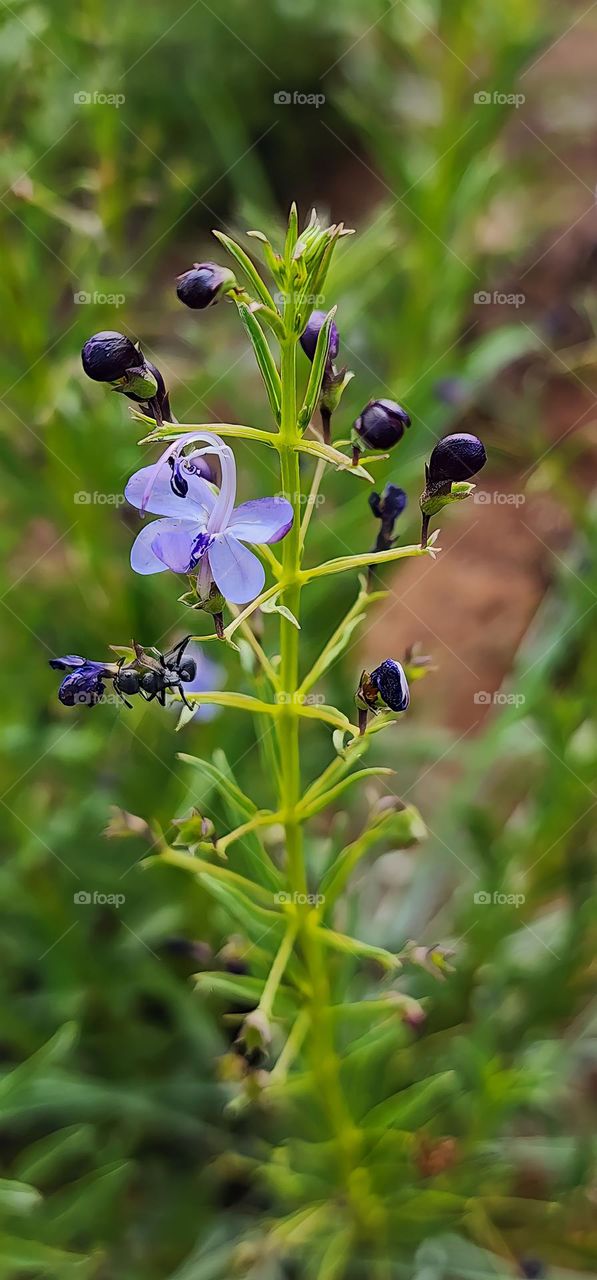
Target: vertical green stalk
pixel 289 636
pixel 326 1065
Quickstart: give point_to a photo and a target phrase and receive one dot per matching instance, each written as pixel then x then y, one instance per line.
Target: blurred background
pixel 458 139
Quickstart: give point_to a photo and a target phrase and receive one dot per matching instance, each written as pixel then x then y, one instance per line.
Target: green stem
pixel 277 970
pixel 289 636
pixel 325 1060
pixel 292 1047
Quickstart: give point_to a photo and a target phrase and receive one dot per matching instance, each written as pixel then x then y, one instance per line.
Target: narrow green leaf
pixel 222 779
pixel 272 320
pixel 243 988
pixel 337 459
pixel 343 563
pixel 415 1105
pixel 272 606
pixel 45 1160
pixel 327 797
pixel 248 268
pixel 318 366
pixel 196 865
pixel 260 924
pixel 363 950
pixel 341 637
pixel 264 358
pixel 18 1197
pixel 291 234
pixel 55 1050
pixel 250 857
pixel 338 768
pixel 230 986
pixel 404 828
pixel 29 1256
pixel 321 267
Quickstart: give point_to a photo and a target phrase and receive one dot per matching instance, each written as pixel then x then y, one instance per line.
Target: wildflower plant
pixel 250 560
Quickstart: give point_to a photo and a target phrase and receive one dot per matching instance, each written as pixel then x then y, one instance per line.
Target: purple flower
pixel 204 284
pixel 182 467
pixel 84 684
pixel 310 334
pixel 203 532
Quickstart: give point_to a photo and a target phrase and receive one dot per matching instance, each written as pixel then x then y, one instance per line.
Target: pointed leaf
pixel 415 1105
pixel 248 267
pixel 264 358
pixel 250 857
pixel 259 923
pixel 318 367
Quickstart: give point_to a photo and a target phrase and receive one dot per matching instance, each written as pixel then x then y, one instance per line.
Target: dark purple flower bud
pixel 84 684
pixel 388 506
pixel 391 684
pixel 108 355
pixel 204 284
pixel 456 458
pixel 380 426
pixel 310 334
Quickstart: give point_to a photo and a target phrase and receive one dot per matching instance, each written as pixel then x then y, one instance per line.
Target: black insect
pixel 158 676
pixel 126 681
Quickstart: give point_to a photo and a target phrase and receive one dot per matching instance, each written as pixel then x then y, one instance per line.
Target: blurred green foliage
pixel 119 1159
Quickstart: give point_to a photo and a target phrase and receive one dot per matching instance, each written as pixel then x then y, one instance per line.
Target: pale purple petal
pixel 238 574
pixel 220 515
pixel 175 545
pixel 143 556
pixel 262 520
pixel 163 501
